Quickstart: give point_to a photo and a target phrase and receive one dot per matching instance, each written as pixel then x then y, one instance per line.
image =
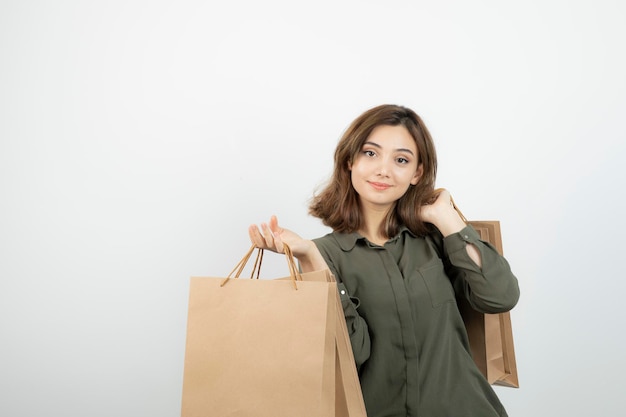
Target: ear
pixel 418 174
pixel 349 165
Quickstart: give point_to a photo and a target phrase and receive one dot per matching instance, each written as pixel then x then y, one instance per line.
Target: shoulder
pixel 331 251
pixel 328 243
pixel 338 241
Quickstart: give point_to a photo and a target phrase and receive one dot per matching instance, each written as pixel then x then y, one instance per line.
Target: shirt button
pixel 465 237
pixel 343 292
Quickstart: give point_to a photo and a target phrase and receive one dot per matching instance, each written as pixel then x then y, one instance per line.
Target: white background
pixel 139 139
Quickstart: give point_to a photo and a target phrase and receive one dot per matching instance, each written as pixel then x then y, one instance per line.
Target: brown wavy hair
pixel 337 205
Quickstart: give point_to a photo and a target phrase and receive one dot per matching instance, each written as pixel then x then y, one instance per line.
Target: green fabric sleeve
pixel 490 289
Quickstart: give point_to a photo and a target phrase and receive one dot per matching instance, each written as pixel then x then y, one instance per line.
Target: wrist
pixel 449 222
pixel 302 250
pixel 310 257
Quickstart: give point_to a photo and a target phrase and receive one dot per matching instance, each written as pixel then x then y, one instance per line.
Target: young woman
pixel 402 254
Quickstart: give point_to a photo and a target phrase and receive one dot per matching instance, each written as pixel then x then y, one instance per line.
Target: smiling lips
pixel 379 185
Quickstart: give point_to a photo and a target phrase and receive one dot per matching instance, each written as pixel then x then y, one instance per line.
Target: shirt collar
pixel 347 241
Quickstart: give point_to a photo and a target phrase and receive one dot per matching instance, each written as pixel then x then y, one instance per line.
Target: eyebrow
pixel 376 145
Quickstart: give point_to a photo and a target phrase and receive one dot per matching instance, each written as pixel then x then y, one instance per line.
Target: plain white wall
pixel 139 139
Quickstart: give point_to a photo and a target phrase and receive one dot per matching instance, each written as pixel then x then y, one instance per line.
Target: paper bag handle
pixel 256 269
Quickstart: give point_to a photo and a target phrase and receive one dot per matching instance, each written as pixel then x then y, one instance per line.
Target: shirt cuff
pixel 457 241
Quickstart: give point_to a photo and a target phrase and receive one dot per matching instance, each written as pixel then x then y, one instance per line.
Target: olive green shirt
pixel 408 338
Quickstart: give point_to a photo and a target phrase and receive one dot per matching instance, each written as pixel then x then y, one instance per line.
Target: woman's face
pixel 385 167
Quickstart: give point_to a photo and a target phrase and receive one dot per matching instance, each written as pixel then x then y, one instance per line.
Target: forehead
pixel 392 138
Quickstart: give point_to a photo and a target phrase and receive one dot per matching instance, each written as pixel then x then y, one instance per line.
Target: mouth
pixel 379 185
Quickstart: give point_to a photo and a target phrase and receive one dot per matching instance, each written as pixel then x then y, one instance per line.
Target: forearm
pixel 492 287
pixel 310 258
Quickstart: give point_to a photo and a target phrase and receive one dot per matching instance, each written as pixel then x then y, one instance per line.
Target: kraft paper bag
pixel 262 348
pixel 349 398
pixel 491 335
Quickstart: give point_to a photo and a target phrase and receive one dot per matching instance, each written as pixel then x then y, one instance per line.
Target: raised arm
pixel 481 273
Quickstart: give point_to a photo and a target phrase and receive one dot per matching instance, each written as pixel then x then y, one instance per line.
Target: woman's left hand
pixel 442 214
pixel 446 218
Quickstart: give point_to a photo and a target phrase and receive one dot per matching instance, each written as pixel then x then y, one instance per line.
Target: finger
pixel 267 235
pixel 278 243
pixel 436 193
pixel 449 198
pixel 252 232
pixel 444 196
pixel 255 236
pixel 275 231
pixel 274 225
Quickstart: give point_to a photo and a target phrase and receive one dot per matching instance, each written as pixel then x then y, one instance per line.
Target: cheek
pixel 356 179
pixel 406 178
pixel 354 176
pixel 356 168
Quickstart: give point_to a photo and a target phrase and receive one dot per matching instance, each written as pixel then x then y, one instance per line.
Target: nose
pixel 383 168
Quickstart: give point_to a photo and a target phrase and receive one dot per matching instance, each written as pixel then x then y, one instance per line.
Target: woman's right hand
pixel 271 236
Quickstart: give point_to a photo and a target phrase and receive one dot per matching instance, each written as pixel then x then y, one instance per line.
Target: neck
pixel 373 218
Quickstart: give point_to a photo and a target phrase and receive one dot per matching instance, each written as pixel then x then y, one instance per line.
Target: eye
pixel 369 153
pixel 402 160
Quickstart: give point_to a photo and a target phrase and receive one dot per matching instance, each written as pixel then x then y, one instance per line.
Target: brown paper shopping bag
pixel 490 335
pixel 263 347
pixel 349 397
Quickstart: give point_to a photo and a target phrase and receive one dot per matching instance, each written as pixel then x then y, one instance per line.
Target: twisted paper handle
pixel 291 264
